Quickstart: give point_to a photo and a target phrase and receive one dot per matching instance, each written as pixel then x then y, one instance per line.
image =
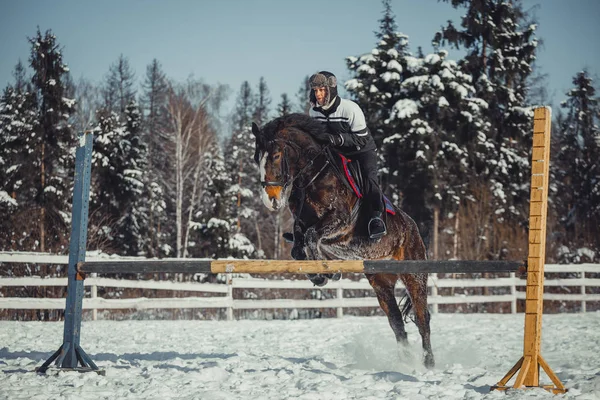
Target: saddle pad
pixel 389 208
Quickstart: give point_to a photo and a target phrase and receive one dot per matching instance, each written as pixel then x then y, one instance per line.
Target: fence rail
pixel 224 292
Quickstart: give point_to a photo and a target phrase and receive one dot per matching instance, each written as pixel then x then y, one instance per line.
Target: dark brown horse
pixel 299 172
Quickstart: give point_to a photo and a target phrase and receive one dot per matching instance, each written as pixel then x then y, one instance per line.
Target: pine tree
pixel 577 168
pixel 50 159
pixel 133 224
pixel 303 96
pixel 118 207
pixel 119 86
pixel 439 132
pixel 379 73
pixel 501 44
pixel 154 100
pixel 155 122
pixel 217 234
pixel 244 108
pixel 17 124
pixel 260 114
pixel 20 76
pixel 104 211
pixel 244 199
pixel 285 106
pixel 213 224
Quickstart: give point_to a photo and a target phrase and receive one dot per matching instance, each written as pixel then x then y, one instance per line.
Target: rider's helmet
pixel 323 79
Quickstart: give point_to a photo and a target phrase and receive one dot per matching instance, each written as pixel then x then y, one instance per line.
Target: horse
pixel 297 170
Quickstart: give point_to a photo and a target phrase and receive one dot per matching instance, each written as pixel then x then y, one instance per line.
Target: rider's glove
pixel 335 140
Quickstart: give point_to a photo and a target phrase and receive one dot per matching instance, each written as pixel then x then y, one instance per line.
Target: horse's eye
pixel 276 157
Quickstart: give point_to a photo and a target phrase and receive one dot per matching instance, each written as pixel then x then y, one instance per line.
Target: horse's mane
pixel 307 133
pixel 302 122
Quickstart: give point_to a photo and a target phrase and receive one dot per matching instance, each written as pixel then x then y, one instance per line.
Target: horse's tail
pixel 406 308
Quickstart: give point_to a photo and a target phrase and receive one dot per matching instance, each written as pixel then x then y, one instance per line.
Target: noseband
pixel 285 166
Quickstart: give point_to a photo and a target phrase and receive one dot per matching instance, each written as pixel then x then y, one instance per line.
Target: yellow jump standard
pixel 529 365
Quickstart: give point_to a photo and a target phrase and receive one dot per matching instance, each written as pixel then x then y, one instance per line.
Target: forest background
pixel 173 176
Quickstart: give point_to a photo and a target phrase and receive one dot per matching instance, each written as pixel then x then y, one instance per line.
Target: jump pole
pixel 529 365
pixel 298 267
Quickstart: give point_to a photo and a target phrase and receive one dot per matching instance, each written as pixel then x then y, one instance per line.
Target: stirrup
pixel 288 237
pixel 377 235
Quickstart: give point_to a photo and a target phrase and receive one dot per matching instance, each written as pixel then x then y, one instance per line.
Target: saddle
pixel 349 173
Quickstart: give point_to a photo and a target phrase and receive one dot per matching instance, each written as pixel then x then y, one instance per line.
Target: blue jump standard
pixel 70 355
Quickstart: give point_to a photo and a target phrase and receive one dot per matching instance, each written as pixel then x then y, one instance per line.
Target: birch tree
pixel 189 130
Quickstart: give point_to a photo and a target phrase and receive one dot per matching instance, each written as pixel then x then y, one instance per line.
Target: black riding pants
pixel 371 191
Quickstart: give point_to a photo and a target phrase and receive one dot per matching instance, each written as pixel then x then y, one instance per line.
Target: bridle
pixel 285 166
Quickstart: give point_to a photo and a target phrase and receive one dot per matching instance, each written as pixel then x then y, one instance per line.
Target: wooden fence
pixel 223 293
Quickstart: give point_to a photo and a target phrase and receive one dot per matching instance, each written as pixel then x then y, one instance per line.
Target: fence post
pixel 93 295
pixel 230 297
pixel 513 291
pixel 340 297
pixel 583 305
pixel 434 293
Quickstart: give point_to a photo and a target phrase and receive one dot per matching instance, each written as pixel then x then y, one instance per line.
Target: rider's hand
pixel 335 140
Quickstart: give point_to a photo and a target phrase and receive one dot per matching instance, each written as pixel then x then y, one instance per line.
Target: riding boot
pixel 376 226
pixel 288 237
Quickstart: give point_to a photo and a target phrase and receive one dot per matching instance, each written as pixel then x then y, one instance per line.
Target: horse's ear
pixel 255 130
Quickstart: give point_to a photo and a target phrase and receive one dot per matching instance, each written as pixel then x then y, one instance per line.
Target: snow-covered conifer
pixel 50 156
pixel 377 75
pixel 577 167
pixel 501 44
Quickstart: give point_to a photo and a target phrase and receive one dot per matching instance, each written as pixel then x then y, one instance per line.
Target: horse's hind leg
pixel 384 284
pixel 416 286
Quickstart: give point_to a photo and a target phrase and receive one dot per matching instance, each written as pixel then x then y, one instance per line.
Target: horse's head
pixel 283 148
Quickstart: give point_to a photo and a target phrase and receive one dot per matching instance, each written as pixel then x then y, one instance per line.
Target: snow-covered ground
pixel 348 358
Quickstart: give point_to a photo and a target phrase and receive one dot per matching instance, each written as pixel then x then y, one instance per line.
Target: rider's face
pixel 321 94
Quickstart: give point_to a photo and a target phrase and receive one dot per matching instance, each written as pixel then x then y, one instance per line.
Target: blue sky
pixel 229 41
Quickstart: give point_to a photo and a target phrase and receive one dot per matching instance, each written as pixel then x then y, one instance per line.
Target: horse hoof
pixel 317 279
pixel 429 361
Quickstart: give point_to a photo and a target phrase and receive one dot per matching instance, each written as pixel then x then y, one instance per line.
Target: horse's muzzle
pixel 272 197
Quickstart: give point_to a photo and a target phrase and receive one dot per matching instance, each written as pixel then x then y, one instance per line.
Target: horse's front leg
pixel 312 241
pixel 298 251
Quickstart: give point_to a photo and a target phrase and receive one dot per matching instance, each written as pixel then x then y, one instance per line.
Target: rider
pixel 348 133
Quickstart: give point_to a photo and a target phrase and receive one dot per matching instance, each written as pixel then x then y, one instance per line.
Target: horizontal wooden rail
pixel 299 267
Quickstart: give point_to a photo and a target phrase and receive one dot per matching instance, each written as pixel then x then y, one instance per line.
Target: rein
pixel 285 169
